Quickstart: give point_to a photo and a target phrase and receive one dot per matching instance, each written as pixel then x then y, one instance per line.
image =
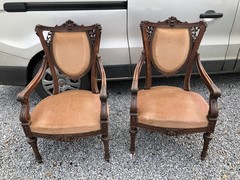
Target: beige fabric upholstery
pixel 170 48
pixel 172 107
pixel 71 52
pixel 74 111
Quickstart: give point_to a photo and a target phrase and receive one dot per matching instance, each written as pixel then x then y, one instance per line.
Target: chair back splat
pixel 170 46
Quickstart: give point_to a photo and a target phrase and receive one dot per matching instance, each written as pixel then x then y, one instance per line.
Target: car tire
pixel 45 86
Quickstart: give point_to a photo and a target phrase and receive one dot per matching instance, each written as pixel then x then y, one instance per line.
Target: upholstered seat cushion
pixel 171 107
pixel 74 111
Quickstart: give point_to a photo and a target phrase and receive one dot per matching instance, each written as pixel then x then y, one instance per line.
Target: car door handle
pixel 211 14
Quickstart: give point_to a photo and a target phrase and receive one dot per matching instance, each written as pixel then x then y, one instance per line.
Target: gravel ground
pixel 157 156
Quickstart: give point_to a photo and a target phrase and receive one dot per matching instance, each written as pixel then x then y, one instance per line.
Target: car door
pixel 232 61
pixel 216 39
pixel 19 44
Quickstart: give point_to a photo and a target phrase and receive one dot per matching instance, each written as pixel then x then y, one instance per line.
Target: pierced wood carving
pixel 150 32
pixel 195 32
pixel 92 34
pixel 48 38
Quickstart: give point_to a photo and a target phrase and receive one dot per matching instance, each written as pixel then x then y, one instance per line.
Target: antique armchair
pixel 72 50
pixel 171 46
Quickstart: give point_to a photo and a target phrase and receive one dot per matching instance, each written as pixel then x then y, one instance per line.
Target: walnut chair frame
pixel 194 32
pixel 91 36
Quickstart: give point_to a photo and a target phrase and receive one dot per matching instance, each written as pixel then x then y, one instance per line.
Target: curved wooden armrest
pixel 103 91
pixel 134 87
pixel 214 91
pixel 24 94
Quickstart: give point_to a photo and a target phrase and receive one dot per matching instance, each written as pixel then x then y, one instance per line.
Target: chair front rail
pixel 66 137
pixel 173 131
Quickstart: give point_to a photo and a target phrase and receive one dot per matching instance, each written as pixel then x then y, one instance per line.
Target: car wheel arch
pixel 32 63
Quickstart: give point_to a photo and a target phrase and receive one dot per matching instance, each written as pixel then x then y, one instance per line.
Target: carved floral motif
pixel 69 24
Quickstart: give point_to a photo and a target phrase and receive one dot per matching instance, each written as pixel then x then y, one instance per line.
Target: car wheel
pixel 45 86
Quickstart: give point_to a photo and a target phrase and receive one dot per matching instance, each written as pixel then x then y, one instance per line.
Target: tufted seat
pixel 51 115
pixel 171 107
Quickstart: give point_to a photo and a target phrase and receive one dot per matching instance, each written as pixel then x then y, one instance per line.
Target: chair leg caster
pixel 203 158
pixel 107 156
pixel 106 159
pixel 40 161
pixel 132 151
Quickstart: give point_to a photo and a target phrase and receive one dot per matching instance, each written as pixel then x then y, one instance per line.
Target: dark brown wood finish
pixel 196 33
pixel 94 34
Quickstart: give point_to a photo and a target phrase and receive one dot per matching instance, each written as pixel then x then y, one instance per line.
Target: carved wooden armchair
pixel 67 116
pixel 169 46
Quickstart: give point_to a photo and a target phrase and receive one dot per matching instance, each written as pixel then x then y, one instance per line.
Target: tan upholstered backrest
pixel 170 49
pixel 71 53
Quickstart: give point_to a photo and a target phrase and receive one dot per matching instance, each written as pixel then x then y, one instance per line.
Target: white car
pixel 121 43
